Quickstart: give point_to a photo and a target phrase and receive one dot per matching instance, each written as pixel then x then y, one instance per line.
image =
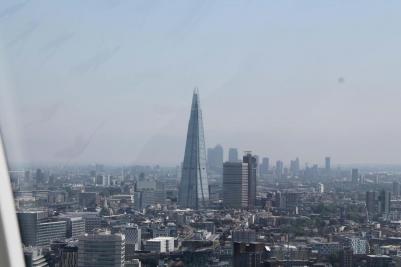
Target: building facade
pixel 235 185
pixel 194 188
pixel 101 250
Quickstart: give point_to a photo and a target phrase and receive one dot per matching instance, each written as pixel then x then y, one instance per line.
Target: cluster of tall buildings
pixel 239 183
pixel 236 211
pixel 239 176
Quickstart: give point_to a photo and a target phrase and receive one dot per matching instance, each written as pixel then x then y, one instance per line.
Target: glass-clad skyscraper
pixel 193 191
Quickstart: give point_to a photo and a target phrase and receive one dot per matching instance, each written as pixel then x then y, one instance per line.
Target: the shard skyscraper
pixel 194 189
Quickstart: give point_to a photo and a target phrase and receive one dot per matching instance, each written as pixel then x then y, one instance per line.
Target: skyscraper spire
pixel 194 191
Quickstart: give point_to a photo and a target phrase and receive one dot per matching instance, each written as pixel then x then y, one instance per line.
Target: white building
pixel 160 244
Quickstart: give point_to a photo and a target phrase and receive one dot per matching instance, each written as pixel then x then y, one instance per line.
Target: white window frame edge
pixel 11 252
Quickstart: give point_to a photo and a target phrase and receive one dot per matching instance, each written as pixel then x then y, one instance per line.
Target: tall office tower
pixel 371 202
pixel 294 166
pixel 233 154
pixel 384 202
pixel 327 164
pixel 396 189
pixel 297 166
pixel 215 157
pixel 257 164
pixel 193 192
pixel 264 167
pixel 235 185
pixel 355 176
pixel 279 169
pixel 39 176
pixel 252 168
pixel 101 249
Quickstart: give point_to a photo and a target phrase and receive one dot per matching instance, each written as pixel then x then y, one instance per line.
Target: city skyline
pixel 109 156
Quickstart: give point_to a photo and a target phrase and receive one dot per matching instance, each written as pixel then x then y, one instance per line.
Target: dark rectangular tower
pixel 252 168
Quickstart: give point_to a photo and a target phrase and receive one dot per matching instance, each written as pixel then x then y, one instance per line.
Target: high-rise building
pixel 355 176
pixel 384 202
pixel 193 192
pixel 233 154
pixel 327 163
pixel 279 169
pixel 396 189
pixel 371 204
pixel 294 167
pixel 264 167
pixel 252 168
pixel 101 249
pixel 235 185
pixel 215 157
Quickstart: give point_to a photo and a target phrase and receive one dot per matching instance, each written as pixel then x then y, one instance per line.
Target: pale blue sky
pixel 112 81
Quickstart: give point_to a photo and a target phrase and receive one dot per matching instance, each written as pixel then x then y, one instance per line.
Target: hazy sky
pixel 112 81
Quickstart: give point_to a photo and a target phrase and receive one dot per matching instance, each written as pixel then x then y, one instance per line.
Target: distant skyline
pixel 111 81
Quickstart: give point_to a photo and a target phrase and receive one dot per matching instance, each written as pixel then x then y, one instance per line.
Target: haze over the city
pixel 113 80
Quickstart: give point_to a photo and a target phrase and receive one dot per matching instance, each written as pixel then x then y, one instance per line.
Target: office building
pixel 87 200
pixel 355 176
pixel 49 231
pixel 69 256
pixel 326 249
pixel 251 161
pixel 35 257
pixel 161 244
pixel 75 225
pixel 194 188
pixel 215 157
pixel 396 189
pixel 244 236
pixel 346 257
pixel 249 254
pixel 133 238
pixel 235 185
pixel 371 202
pixel 294 167
pixel 327 164
pixel 101 249
pixel 233 154
pixel 279 169
pixel 264 167
pixel 37 230
pixel 384 202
